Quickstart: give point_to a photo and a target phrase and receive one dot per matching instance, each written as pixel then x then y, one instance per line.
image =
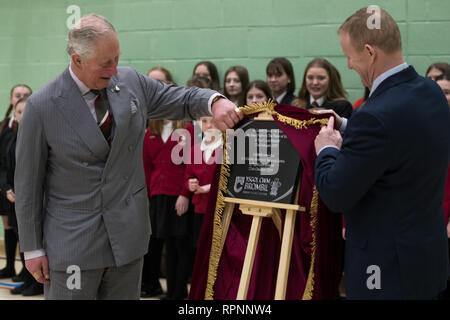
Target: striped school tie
pixel 104 118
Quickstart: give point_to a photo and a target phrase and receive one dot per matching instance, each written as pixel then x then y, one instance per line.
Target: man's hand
pixel 181 206
pixel 328 136
pixel 38 267
pixel 226 114
pixel 337 117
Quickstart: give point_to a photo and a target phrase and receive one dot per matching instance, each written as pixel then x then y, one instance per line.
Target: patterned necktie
pixel 315 104
pixel 104 119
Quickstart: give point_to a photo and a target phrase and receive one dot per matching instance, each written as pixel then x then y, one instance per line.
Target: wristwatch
pixel 216 98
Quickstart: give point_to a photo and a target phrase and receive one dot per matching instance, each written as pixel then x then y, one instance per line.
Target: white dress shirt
pixel 319 101
pixel 88 96
pixel 167 131
pixel 280 97
pixel 208 149
pixel 10 123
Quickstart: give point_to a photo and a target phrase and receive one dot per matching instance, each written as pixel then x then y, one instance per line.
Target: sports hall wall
pixel 178 33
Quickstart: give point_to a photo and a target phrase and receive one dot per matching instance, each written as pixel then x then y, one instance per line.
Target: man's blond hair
pixel 386 37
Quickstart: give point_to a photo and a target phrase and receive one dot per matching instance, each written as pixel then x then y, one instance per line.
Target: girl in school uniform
pixel 169 203
pixel 235 82
pixel 281 80
pixel 200 171
pixel 30 287
pixel 6 131
pixel 322 88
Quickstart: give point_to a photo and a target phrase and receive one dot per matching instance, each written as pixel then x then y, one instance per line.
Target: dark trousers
pixel 178 255
pixel 11 238
pixel 152 264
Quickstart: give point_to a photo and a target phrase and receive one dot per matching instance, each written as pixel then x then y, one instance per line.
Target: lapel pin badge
pixel 115 89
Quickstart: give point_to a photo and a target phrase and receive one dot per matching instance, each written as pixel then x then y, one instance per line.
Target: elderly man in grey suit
pixel 81 201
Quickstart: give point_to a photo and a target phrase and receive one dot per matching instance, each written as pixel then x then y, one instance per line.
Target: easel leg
pixel 249 258
pixel 226 219
pixel 285 255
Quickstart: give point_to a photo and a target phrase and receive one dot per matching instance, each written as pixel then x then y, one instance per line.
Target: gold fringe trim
pixel 216 244
pixel 309 288
pixel 269 107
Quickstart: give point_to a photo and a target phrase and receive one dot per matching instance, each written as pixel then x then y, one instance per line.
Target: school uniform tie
pixel 315 104
pixel 104 118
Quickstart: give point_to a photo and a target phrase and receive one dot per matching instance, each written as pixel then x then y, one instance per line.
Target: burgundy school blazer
pixel 162 175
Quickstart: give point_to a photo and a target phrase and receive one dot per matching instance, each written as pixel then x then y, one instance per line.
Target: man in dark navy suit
pixel 387 173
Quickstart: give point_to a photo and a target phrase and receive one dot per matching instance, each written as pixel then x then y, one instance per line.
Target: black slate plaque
pixel 264 164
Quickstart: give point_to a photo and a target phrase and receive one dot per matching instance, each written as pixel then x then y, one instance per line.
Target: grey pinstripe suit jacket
pixel 82 201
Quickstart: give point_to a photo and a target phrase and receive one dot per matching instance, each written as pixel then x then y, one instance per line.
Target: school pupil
pixel 199 173
pixel 29 287
pixel 257 92
pixel 7 126
pixel 168 209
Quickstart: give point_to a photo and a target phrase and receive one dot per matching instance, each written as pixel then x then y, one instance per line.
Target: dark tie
pixel 315 104
pixel 104 119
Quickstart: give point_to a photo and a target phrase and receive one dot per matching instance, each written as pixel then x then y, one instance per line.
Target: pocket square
pixel 133 107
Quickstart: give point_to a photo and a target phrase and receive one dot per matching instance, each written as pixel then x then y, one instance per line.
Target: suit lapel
pixel 119 102
pixel 78 116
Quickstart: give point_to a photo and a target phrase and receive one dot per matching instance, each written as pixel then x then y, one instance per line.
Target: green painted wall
pixel 178 33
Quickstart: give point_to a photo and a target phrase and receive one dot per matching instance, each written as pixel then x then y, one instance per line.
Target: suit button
pixel 125 178
pixel 130 148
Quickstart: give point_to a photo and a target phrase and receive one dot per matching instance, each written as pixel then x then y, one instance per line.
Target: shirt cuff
pixel 343 126
pixel 211 100
pixel 34 254
pixel 330 146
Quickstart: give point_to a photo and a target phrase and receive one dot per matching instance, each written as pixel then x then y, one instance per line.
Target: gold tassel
pixel 309 288
pixel 216 248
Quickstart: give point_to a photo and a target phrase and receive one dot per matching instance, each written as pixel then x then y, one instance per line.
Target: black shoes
pixel 151 292
pixel 21 277
pixel 29 288
pixel 34 289
pixel 7 273
pixel 19 289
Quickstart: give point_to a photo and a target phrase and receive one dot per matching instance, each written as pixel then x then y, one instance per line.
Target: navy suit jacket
pixel 388 180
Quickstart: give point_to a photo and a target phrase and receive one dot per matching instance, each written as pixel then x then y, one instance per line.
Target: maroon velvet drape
pixel 328 261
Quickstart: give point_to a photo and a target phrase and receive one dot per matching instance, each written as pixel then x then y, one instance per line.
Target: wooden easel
pixel 260 210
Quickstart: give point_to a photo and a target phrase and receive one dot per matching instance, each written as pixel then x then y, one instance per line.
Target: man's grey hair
pixel 83 35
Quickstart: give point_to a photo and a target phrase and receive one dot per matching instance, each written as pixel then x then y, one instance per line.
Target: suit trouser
pixel 113 283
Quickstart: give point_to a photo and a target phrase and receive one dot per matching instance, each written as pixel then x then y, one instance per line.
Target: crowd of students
pixel 178 193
